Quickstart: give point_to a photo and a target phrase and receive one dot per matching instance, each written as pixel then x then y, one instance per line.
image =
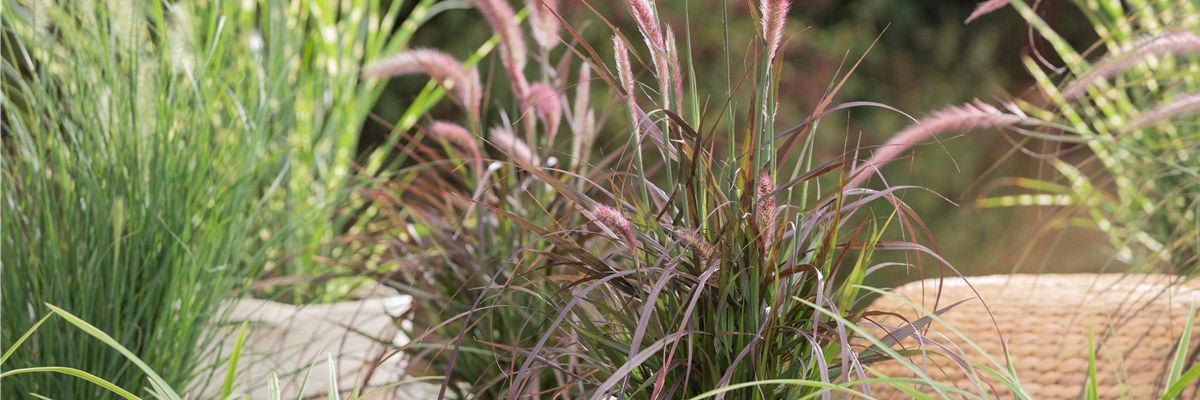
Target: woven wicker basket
pixel 1138 320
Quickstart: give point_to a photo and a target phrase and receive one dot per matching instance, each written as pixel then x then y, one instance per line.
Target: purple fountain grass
pixel 967 117
pixel 624 69
pixel 437 64
pixel 643 14
pixel 774 14
pixel 1180 105
pixel 545 25
pixel 548 105
pixel 700 247
pixel 582 132
pixel 766 209
pixel 582 98
pixel 499 15
pixel 459 137
pixel 676 72
pixel 1176 43
pixel 613 219
pixel 647 24
pixel 986 7
pixel 504 139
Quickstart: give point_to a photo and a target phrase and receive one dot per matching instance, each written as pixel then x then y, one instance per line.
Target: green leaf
pixel 77 373
pixel 92 330
pixel 231 372
pixel 1181 351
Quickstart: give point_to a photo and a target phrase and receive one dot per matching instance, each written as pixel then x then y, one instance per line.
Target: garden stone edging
pixel 286 339
pixel 1044 319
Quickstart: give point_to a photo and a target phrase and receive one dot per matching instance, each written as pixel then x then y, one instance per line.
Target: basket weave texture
pixel 1138 320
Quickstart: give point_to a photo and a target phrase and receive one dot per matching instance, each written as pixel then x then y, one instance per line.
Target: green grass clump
pixel 1130 99
pixel 159 156
pixel 697 256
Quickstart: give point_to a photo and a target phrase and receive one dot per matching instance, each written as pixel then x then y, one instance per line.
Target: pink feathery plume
pixel 647 24
pixel 955 118
pixel 545 25
pixel 459 137
pixel 504 139
pixel 545 101
pixel 500 17
pixel 582 98
pixel 439 65
pixel 676 72
pixel 624 69
pixel 582 134
pixel 774 15
pixel 985 8
pixel 699 246
pixel 613 219
pixel 1178 106
pixel 643 14
pixel 766 208
pixel 1174 43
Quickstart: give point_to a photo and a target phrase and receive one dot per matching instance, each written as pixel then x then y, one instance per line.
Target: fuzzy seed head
pixel 582 98
pixel 967 117
pixel 545 24
pixel 1177 106
pixel 676 71
pixel 985 8
pixel 548 105
pixel 437 64
pixel 699 246
pixel 647 24
pixel 458 136
pixel 504 139
pixel 624 69
pixel 500 17
pixel 774 14
pixel 766 208
pixel 1173 43
pixel 613 219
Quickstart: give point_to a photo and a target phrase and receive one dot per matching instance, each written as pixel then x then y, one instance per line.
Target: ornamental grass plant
pixel 701 252
pixel 1115 122
pixel 158 157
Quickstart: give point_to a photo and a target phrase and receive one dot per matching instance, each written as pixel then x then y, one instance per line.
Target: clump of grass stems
pixel 157 157
pixel 698 260
pixel 1134 109
pixel 157 386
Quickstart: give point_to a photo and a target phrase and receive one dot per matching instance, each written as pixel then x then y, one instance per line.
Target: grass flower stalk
pixel 966 117
pixel 545 25
pixel 438 65
pixel 504 139
pixel 548 105
pixel 458 136
pixel 1176 43
pixel 774 15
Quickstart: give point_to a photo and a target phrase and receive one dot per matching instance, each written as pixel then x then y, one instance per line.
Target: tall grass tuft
pixel 158 156
pixel 700 259
pixel 1135 110
pixel 132 185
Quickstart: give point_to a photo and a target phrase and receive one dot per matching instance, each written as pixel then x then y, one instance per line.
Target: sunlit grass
pixel 159 156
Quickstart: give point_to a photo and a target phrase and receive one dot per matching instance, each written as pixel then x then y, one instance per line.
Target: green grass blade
pixel 1092 392
pixel 77 373
pixel 227 387
pixel 17 344
pixel 1181 352
pixel 273 392
pixel 108 340
pixel 333 377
